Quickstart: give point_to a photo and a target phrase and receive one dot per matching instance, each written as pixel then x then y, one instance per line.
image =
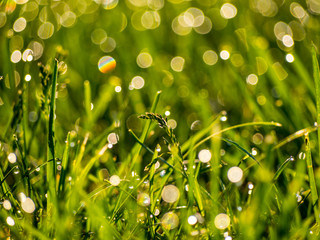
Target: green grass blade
pixel 316 76
pixel 295 135
pixel 65 163
pixel 137 148
pixel 231 128
pixel 312 181
pixel 241 148
pixel 87 100
pixel 281 168
pixel 51 167
pixel 185 146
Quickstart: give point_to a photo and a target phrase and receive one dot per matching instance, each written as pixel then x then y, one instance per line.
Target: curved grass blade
pixel 242 149
pixel 296 135
pixel 150 151
pixel 233 127
pixel 281 168
pixel 185 146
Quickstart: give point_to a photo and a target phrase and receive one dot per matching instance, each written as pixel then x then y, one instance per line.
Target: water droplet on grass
pixel 28 205
pixel 10 221
pixel 7 204
pixel 289 58
pixel 12 158
pixel 143 199
pixel 192 220
pixel 228 11
pixel 109 4
pixel 222 221
pixel 170 220
pixel 204 155
pixel 16 170
pixel 115 180
pixel 302 155
pixel 235 174
pixel 170 194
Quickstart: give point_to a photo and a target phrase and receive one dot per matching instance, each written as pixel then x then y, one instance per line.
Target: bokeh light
pixel 137 82
pixel 170 193
pixel 170 220
pixel 143 199
pixel 222 221
pixel 144 60
pixel 204 155
pixel 106 64
pixel 46 30
pixel 224 54
pixel 228 11
pixel 235 174
pixel 10 221
pixel 192 220
pixel 28 205
pixel 7 204
pixel 210 57
pixel 115 180
pixel 12 158
pixel 252 79
pixel 177 64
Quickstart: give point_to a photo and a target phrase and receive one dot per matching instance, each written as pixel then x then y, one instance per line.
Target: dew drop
pixel 170 220
pixel 143 199
pixel 192 220
pixel 235 174
pixel 10 221
pixel 170 193
pixel 12 158
pixel 115 180
pixel 204 155
pixel 7 204
pixel 28 205
pixel 222 221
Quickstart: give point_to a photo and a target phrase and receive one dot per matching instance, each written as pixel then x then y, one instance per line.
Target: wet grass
pixel 222 151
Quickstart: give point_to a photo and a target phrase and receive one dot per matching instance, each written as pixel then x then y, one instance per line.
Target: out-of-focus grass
pixel 77 162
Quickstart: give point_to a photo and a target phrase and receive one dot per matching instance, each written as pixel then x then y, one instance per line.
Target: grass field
pixel 159 119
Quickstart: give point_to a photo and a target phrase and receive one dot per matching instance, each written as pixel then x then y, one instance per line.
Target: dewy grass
pixel 86 154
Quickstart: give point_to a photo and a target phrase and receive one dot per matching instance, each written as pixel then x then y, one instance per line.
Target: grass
pixel 226 148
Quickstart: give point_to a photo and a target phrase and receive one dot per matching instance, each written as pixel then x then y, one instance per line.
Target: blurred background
pixel 248 60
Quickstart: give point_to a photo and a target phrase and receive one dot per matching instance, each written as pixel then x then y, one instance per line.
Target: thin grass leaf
pixel 186 145
pixel 242 149
pixel 65 163
pixel 316 76
pixel 296 135
pixel 281 168
pixel 312 181
pixel 87 100
pixel 51 167
pixel 136 150
pixel 152 152
pixel 233 127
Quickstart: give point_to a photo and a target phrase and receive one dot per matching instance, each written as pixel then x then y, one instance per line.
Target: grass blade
pixel 241 148
pixel 65 162
pixel 312 181
pixel 316 76
pixel 281 168
pixel 87 100
pixel 230 128
pixel 51 167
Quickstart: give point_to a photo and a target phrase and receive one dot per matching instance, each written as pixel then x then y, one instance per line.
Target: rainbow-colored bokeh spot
pixel 106 64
